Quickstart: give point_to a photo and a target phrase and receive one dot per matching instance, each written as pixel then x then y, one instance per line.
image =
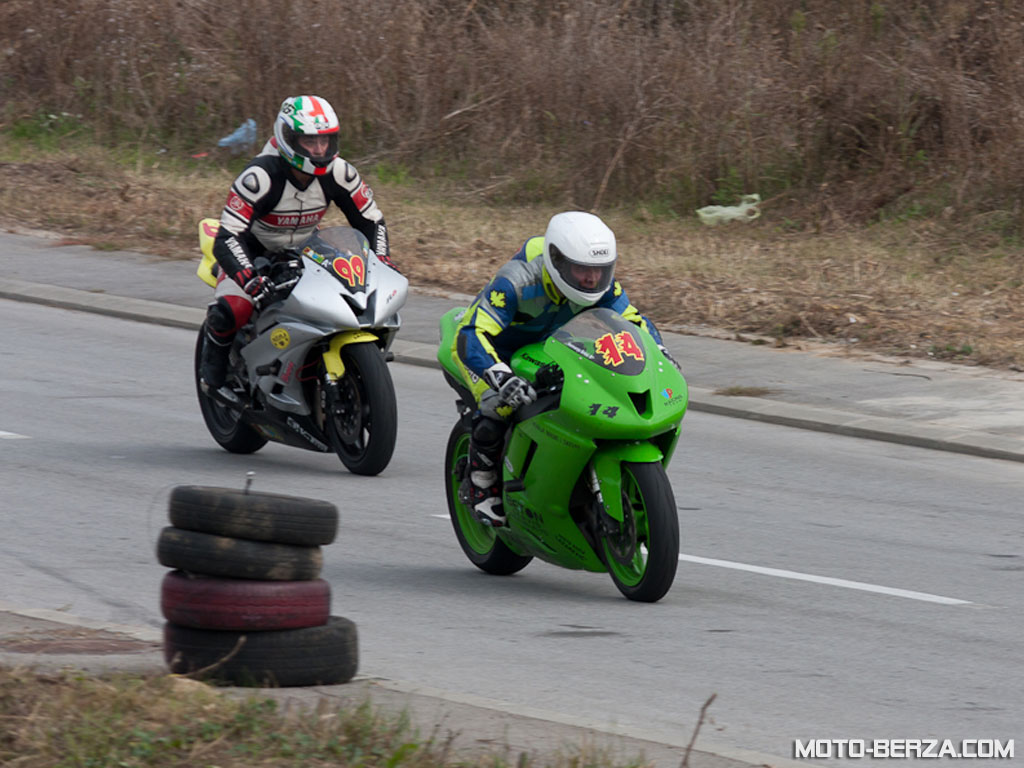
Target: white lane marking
pixel 846 584
pixel 863 586
pixel 12 436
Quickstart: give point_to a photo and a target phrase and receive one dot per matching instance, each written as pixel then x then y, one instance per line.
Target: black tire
pixel 481 544
pixel 364 427
pixel 643 558
pixel 236 558
pixel 211 602
pixel 253 515
pixel 224 424
pixel 326 655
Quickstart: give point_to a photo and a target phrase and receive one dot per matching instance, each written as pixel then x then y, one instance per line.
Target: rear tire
pixel 225 425
pixel 481 544
pixel 363 426
pixel 642 559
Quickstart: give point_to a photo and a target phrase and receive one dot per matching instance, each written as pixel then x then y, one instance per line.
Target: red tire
pixel 209 602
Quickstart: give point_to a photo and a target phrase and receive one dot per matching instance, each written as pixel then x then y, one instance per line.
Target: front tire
pixel 225 425
pixel 643 555
pixel 363 424
pixel 480 543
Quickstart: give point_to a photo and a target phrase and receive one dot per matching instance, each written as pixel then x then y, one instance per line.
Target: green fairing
pixel 620 407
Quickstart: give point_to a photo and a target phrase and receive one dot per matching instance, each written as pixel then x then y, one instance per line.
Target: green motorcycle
pixel 583 470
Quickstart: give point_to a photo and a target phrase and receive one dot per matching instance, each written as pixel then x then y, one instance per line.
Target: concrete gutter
pixel 901 431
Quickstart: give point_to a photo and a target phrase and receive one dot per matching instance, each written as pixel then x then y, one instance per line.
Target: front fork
pixel 334 367
pixel 605 478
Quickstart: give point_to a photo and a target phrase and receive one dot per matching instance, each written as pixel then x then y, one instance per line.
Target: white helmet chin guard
pixel 579 256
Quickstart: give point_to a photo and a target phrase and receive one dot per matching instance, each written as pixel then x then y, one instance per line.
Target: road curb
pixel 900 431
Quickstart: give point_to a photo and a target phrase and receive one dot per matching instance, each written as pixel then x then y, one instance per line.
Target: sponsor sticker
pixel 363 196
pixel 280 338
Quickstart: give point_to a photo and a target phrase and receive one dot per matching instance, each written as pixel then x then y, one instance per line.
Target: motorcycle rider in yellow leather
pixel 552 278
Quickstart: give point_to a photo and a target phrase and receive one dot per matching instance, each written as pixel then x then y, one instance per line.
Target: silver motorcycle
pixel 310 369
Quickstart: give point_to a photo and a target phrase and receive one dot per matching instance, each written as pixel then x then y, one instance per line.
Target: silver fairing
pixel 319 306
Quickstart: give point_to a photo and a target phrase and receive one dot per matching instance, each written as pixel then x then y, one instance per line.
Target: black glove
pixel 259 288
pixel 513 391
pixel 256 286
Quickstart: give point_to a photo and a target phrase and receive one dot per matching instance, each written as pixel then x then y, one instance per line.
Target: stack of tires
pixel 244 604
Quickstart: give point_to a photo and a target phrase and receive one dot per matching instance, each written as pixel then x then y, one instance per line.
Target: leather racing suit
pixel 520 305
pixel 268 211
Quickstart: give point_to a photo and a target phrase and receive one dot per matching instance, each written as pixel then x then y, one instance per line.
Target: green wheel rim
pixel 631 572
pixel 479 537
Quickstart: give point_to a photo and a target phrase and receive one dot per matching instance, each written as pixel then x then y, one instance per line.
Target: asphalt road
pixel 830 587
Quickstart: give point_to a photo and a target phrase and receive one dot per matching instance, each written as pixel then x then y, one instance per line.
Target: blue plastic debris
pixel 243 137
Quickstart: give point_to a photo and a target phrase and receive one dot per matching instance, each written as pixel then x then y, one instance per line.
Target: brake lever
pixel 275 289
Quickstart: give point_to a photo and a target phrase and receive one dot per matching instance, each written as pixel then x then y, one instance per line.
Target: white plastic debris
pixel 747 210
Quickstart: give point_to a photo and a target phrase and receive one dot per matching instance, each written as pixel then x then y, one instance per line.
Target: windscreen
pixel 605 338
pixel 342 251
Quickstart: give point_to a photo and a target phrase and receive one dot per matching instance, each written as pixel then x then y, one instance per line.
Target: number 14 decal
pixel 610 411
pixel 613 346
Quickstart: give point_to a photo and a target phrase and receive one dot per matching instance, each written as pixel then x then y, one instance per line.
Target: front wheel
pixel 362 424
pixel 480 543
pixel 225 425
pixel 642 555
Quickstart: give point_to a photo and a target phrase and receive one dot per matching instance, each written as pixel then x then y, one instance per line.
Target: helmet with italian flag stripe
pixel 306 133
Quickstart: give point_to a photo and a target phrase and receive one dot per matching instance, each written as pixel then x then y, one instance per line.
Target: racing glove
pixel 513 391
pixel 256 286
pixel 385 258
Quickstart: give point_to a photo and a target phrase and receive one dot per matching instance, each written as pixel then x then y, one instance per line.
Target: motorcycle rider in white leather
pixel 276 203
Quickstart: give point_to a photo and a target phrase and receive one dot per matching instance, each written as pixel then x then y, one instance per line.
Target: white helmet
pixel 306 116
pixel 579 256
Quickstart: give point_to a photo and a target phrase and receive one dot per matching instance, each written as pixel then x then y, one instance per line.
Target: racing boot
pixel 213 365
pixel 481 488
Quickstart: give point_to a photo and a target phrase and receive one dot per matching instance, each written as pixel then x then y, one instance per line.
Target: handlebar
pixel 291 270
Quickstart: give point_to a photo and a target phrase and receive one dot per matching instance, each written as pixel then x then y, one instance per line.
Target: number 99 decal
pixel 352 271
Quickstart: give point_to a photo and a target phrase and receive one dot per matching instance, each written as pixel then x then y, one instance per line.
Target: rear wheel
pixel 225 424
pixel 363 424
pixel 642 555
pixel 480 543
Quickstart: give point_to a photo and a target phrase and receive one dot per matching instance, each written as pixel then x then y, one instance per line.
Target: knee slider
pixel 220 319
pixel 488 434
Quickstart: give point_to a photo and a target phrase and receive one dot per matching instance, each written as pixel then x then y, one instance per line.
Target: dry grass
pixel 884 138
pixel 838 111
pixel 68 718
pixel 914 289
